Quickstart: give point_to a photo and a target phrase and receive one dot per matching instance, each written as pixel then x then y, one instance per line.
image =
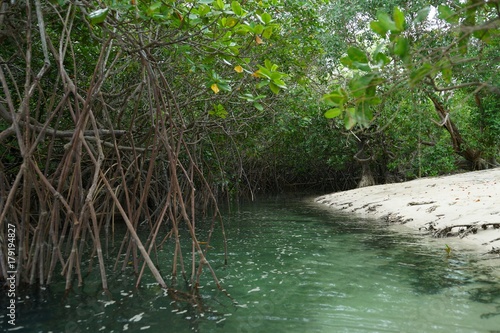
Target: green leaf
pixel 350 118
pixel 463 43
pixel 274 88
pixel 334 98
pixel 381 59
pixel 262 84
pixel 219 4
pixel 401 47
pixel 376 80
pixel 373 101
pixel 470 17
pixel 276 75
pixel 231 22
pixel 98 16
pixel 399 19
pixel 347 62
pixel 483 35
pixel 422 14
pixel 333 113
pixel 218 111
pixel 258 29
pixel 370 91
pixel 386 21
pixel 224 86
pixel 343 92
pixel 243 29
pixel 356 55
pixel 358 84
pixel 266 18
pixel 364 114
pixel 377 27
pixel 447 14
pixel 447 74
pixel 263 73
pixel 258 106
pixel 267 32
pixel 420 73
pixel 236 7
pixel 362 66
pixel 356 59
pixel 247 97
pixel 154 8
pixel 280 83
pixel 269 65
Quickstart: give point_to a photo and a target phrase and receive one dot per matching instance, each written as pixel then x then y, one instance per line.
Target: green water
pixel 293 267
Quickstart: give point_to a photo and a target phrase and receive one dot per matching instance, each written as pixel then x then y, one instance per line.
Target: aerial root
pixel 463 229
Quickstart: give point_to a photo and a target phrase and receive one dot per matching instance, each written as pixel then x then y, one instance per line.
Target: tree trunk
pixel 472 156
pixel 366 172
pixel 366 176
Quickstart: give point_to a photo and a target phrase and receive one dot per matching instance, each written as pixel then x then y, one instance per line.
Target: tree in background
pixel 430 60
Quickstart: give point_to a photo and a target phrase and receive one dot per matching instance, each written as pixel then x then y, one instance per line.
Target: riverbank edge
pixel 462 208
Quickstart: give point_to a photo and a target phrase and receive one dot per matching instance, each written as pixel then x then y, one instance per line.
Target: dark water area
pixel 293 266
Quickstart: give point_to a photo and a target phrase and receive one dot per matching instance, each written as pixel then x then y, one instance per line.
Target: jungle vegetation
pixel 149 113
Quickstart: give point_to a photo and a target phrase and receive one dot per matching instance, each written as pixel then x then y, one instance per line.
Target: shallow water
pixel 293 267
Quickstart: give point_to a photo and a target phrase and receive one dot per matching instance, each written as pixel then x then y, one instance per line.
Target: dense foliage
pixel 440 57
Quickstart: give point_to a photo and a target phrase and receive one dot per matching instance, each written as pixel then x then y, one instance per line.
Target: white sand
pixel 471 199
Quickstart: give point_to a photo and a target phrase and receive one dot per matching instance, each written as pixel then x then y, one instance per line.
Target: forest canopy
pixel 149 113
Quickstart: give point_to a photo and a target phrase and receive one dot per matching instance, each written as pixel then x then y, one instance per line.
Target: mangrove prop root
pixel 95 146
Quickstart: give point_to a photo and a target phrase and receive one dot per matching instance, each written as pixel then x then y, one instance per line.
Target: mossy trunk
pixel 364 160
pixel 366 176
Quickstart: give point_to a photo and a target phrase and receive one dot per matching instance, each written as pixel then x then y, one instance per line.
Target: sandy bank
pixel 470 201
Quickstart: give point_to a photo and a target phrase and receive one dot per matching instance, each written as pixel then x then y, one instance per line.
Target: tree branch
pixel 458 86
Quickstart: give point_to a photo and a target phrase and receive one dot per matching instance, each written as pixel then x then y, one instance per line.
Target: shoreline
pixel 462 207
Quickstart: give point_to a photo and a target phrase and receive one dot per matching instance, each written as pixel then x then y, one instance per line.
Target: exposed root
pixel 492 241
pixel 415 203
pixel 463 229
pixel 396 218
